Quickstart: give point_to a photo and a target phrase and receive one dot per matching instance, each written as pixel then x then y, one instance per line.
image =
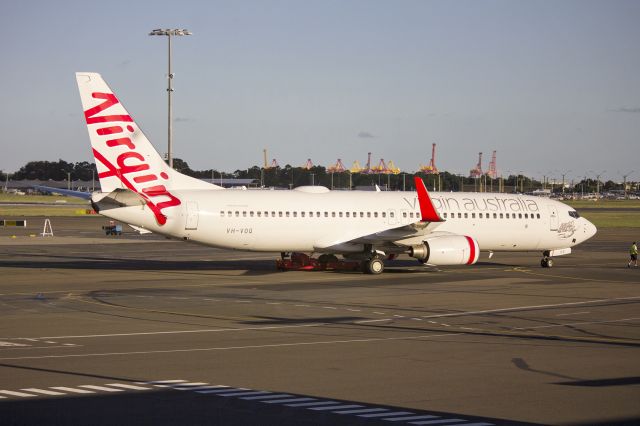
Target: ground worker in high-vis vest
pixel 633 255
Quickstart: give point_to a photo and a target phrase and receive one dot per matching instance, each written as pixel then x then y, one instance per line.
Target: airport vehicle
pixel 138 188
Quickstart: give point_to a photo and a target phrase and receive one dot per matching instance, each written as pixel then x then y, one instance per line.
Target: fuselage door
pixel 553 218
pixel 192 215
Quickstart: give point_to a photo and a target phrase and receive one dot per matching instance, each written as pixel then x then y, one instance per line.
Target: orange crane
pixel 308 165
pixel 336 168
pixel 477 171
pixel 367 169
pixel 493 171
pixel 431 169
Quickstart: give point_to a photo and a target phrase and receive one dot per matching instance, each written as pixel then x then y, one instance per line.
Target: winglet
pixel 427 210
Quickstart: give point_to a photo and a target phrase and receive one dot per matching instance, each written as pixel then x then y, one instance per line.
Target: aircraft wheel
pixel 549 263
pixel 373 266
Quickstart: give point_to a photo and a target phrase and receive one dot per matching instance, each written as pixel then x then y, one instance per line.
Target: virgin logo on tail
pixel 128 160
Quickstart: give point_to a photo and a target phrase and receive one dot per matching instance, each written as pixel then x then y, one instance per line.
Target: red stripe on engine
pixel 472 251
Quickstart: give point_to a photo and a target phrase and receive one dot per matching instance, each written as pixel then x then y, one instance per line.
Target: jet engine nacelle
pixel 447 250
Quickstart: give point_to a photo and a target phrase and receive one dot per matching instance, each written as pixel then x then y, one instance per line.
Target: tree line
pixel 291 177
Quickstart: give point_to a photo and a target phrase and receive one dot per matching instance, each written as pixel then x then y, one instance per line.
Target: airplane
pixel 138 188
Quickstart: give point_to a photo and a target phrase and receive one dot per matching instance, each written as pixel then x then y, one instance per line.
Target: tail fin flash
pixel 124 156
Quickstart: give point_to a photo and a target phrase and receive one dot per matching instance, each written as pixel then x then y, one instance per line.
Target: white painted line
pixel 205 330
pixel 379 313
pixel 405 418
pixel 275 395
pixel 13 393
pixel 374 320
pixel 243 301
pixel 210 387
pixel 398 316
pixel 329 307
pixel 437 422
pixel 243 393
pixel 417 319
pixel 227 348
pixel 42 391
pixel 72 390
pixel 3 397
pixel 222 390
pixel 288 400
pixel 49 341
pixel 354 310
pixel 101 388
pixel 312 404
pixel 520 308
pixel 161 382
pixel 302 306
pixel 433 322
pixel 125 386
pixel 186 386
pixel 274 303
pixel 573 313
pixel 575 323
pixel 335 407
pixel 392 414
pixel 446 325
pixel 363 410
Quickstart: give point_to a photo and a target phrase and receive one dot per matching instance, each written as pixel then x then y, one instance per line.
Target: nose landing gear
pixel 547 261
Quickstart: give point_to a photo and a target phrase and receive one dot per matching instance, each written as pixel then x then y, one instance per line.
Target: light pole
pixel 624 183
pixel 169 33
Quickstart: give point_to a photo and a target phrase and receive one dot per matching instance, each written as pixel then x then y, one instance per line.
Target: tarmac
pixel 143 330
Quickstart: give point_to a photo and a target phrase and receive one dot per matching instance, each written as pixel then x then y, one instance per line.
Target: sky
pixel 552 86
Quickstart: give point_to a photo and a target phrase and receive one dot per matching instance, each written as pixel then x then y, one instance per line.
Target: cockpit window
pixel 574 214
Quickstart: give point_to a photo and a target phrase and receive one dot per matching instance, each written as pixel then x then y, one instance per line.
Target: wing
pixel 50 190
pixel 400 235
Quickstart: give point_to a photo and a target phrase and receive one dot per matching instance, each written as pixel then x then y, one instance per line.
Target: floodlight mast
pixel 169 33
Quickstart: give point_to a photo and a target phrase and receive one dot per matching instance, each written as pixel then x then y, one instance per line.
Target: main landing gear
pixel 373 266
pixel 547 261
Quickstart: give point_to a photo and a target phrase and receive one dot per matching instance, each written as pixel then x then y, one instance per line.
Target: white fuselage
pixel 313 219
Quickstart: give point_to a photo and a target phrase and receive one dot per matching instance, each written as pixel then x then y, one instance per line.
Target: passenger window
pixel 538 215
pixel 355 214
pixel 280 214
pixel 519 215
pixel 286 214
pixel 526 215
pixel 480 215
pixel 340 214
pixel 459 215
pixel 507 215
pixel 317 214
pixel 361 214
pixel 368 214
pixel 229 213
pixel 244 213
pixel 375 214
pixel 466 215
pixel 221 213
pixel 404 214
pixel 251 213
pixel 495 215
pixel 473 215
pixel 384 214
pixel 259 214
pixel 391 214
pixel 237 213
pixel 326 214
pixel 501 216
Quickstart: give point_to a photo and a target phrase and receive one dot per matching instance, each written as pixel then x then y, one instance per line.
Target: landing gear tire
pixel 546 262
pixel 373 266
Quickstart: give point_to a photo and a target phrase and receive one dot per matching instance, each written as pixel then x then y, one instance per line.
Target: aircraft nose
pixel 589 229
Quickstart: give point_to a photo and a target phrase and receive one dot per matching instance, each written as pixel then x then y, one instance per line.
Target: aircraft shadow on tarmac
pixel 251 266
